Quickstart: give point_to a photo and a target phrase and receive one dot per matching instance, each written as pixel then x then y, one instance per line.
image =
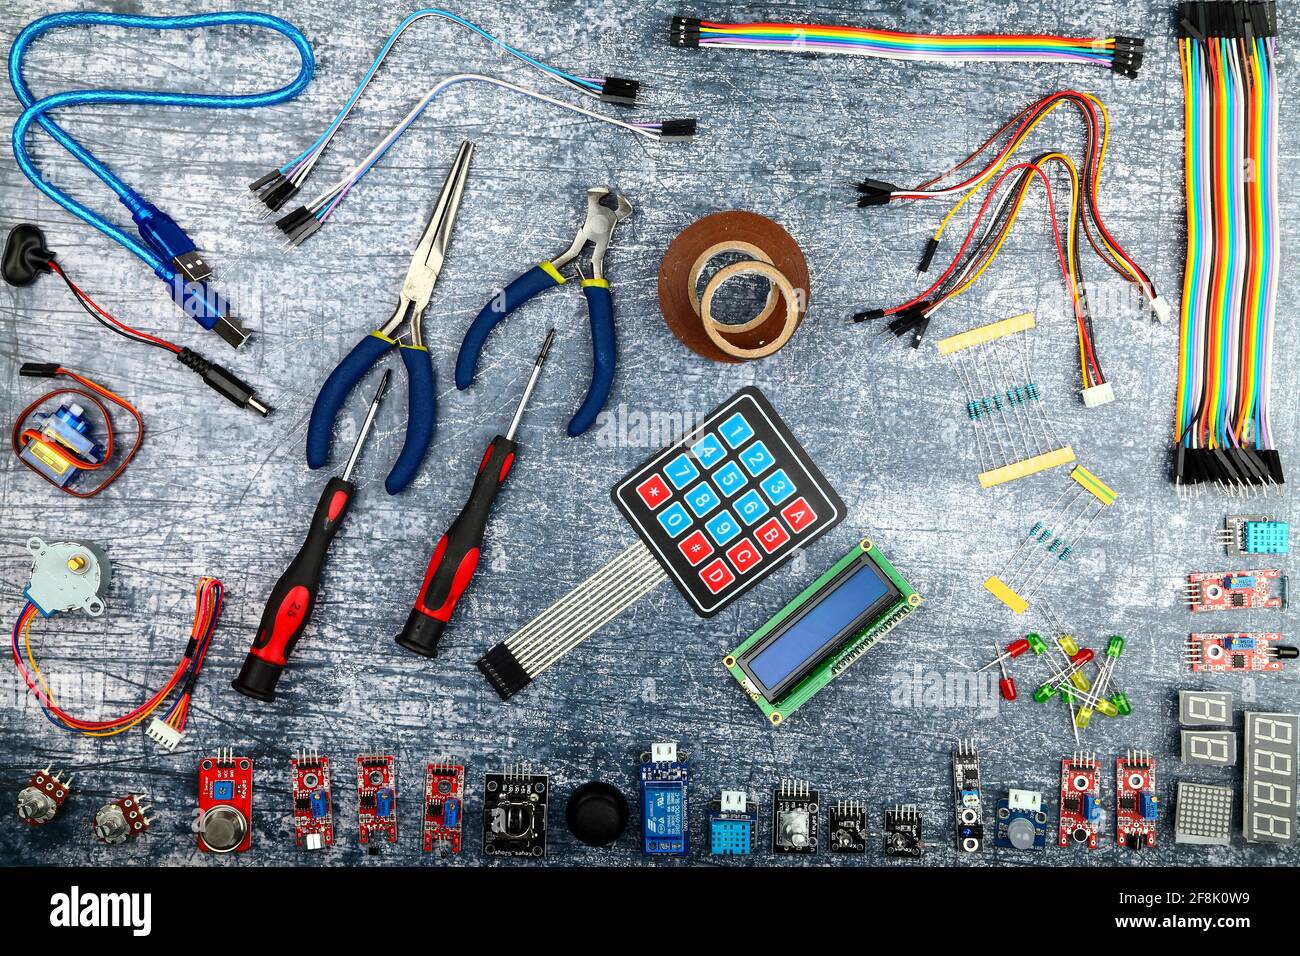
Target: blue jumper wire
pixel 162 242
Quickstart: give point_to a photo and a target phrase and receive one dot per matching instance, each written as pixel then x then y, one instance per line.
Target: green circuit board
pixel 818 635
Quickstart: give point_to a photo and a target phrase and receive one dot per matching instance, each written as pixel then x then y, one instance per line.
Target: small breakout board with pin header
pixel 732 825
pixel 376 800
pixel 903 832
pixel 444 806
pixel 1080 819
pixel 846 827
pixel 1258 589
pixel 1254 534
pixel 1225 653
pixel 313 800
pixel 968 805
pixel 664 775
pixel 514 813
pixel 795 813
pixel 1137 808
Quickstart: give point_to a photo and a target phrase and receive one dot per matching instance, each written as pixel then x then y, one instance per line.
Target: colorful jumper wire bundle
pixel 1121 54
pixel 997 214
pixel 183 679
pixel 276 188
pixel 1223 433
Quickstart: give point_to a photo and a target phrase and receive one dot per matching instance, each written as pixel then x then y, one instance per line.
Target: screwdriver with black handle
pixel 288 610
pixel 457 554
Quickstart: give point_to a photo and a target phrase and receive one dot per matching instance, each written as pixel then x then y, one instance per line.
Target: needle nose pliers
pixel 605 210
pixel 426 263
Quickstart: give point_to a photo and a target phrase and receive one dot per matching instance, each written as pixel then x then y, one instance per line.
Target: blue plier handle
pixel 604 210
pixel 348 374
pixel 426 264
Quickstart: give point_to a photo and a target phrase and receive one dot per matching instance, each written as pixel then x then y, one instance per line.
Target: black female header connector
pixel 615 89
pixel 1128 55
pixel 685 31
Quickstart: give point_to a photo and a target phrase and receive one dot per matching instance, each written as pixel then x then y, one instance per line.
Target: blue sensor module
pixel 732 825
pixel 663 778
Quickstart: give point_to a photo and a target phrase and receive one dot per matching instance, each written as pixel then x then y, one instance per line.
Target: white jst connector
pixel 1160 306
pixel 1098 395
pixel 163 735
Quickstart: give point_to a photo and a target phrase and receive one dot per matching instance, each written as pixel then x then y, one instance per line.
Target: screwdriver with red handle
pixel 288 610
pixel 456 556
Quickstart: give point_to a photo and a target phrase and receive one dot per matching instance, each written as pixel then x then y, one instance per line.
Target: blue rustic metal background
pixel 217 491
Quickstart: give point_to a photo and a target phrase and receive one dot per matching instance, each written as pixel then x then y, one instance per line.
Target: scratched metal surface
pixel 217 491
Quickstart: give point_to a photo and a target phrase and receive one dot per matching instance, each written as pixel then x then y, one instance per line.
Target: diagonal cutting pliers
pixel 426 263
pixel 605 210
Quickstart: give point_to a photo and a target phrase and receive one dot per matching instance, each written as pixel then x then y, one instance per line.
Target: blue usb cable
pixel 162 244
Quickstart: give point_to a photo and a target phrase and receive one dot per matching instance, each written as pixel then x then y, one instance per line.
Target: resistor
pixel 1032 390
pixel 1065 552
pixel 973 410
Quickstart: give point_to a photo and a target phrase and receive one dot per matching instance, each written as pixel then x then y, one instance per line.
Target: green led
pixel 1120 700
pixel 1045 693
pixel 1115 646
pixel 1036 644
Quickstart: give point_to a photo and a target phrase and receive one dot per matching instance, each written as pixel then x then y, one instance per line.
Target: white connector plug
pixel 1029 800
pixel 663 752
pixel 733 801
pixel 1098 395
pixel 1160 306
pixel 165 737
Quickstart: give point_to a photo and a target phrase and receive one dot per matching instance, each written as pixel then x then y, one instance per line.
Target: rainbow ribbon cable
pixel 1121 54
pixel 1223 433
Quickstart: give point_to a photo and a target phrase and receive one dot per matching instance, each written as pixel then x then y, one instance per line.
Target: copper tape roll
pixel 772 253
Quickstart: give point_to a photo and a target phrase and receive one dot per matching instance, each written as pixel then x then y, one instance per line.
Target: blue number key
pixel 723 527
pixel 757 459
pixel 702 499
pixel 730 479
pixel 751 506
pixel 709 451
pixel 736 430
pixel 680 471
pixel 674 519
pixel 777 486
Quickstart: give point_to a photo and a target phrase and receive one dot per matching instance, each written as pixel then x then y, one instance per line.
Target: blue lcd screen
pixel 823 624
